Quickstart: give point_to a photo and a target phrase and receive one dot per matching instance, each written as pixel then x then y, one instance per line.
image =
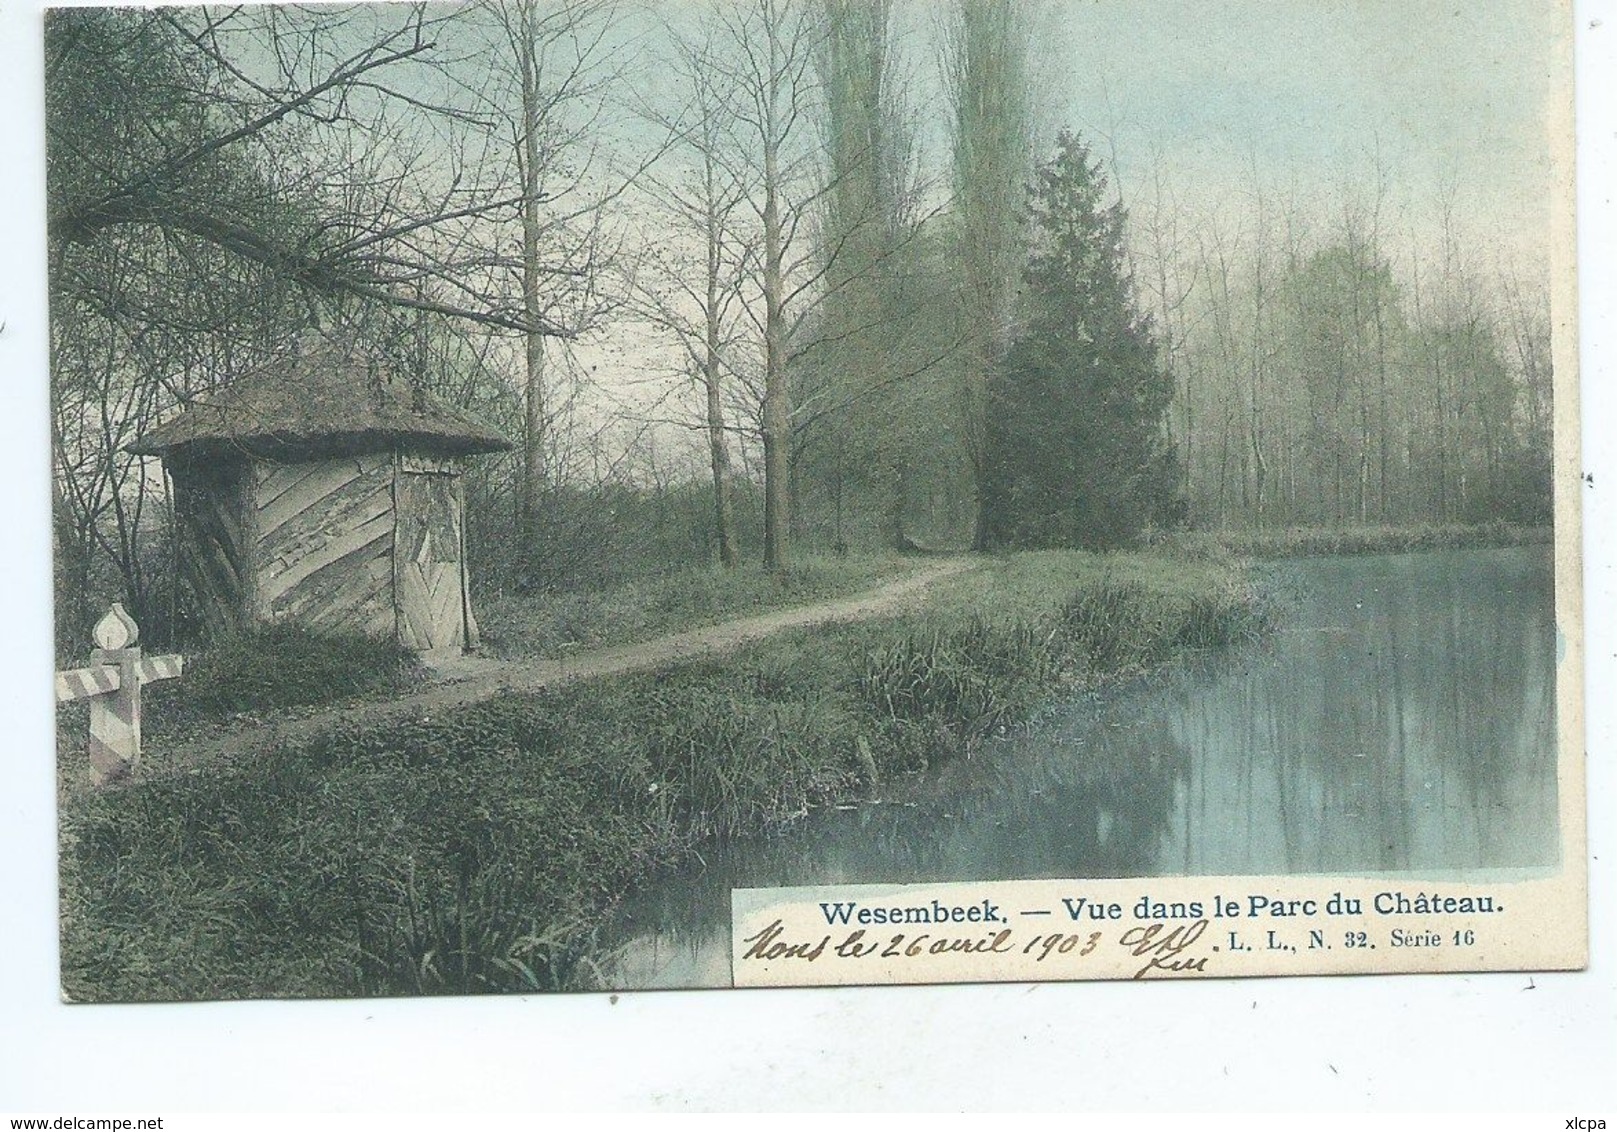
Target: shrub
pixel 1298 542
pixel 280 666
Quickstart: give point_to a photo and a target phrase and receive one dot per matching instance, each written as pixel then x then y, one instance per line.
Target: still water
pixel 1402 717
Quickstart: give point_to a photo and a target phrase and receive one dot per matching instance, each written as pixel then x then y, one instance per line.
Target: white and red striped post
pixel 112 685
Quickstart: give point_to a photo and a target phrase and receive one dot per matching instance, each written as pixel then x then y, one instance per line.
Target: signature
pixel 1163 947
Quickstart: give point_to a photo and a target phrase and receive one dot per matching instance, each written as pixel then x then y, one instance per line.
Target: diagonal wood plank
pixel 273 586
pixel 342 591
pixel 274 480
pixel 352 506
pixel 446 626
pixel 324 484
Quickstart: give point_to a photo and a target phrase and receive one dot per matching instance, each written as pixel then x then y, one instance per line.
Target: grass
pixel 993 644
pixel 465 854
pixel 519 626
pixel 283 666
pixel 1299 542
pixel 478 851
pixel 360 862
pixel 271 669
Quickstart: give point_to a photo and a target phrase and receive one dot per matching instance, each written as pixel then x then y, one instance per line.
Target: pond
pixel 1401 718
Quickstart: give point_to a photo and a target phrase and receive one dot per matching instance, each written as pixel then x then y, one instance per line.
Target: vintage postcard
pixel 557 495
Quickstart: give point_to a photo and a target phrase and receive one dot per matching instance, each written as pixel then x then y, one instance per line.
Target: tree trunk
pixel 719 452
pixel 533 440
pixel 777 413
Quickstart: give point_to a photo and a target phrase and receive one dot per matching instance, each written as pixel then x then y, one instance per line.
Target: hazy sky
pixel 1452 101
pixel 1455 95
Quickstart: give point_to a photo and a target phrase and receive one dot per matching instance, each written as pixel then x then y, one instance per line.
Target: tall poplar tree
pixel 986 73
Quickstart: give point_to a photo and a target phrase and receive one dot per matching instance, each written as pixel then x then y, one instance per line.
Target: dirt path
pixel 472 679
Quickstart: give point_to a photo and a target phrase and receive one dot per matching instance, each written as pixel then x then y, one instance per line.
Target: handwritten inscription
pixel 1104 929
pixel 1166 949
pixel 773 944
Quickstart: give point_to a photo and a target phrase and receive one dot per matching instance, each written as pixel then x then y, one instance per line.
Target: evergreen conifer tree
pixel 1078 451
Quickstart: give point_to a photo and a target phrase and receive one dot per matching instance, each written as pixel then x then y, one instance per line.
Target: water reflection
pixel 1402 719
pixel 1405 720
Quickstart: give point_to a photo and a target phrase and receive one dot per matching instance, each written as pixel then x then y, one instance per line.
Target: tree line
pixel 1346 368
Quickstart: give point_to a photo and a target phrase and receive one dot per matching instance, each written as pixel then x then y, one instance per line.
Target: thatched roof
pixel 324 395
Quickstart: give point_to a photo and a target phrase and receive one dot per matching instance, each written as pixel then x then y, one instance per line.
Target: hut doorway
pixel 431 583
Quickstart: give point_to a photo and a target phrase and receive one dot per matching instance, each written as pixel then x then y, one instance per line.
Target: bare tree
pixel 552 70
pixel 240 128
pixel 701 312
pixel 768 60
pixel 1168 285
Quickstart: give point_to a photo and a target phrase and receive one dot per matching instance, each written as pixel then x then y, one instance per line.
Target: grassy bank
pixel 1300 542
pixel 478 851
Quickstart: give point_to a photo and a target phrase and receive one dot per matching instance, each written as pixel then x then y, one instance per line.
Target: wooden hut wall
pixel 213 510
pixel 325 530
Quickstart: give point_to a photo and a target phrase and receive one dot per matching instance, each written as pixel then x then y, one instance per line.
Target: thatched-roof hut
pixel 324 489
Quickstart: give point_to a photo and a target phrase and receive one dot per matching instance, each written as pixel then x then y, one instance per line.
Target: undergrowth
pixel 272 668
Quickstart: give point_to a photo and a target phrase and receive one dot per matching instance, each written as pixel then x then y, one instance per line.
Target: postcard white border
pixel 1483 1041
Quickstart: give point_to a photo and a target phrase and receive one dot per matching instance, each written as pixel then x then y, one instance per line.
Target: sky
pixel 1453 96
pixel 1445 104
